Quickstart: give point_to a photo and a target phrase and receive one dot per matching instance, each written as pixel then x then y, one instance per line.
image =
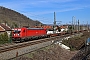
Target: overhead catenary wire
pixel 38 17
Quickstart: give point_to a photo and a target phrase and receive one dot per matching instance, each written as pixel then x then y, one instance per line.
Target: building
pixel 64 28
pixel 5 28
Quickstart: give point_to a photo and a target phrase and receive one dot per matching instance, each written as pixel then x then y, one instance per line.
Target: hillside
pixel 15 19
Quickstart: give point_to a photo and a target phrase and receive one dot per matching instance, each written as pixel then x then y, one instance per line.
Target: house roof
pixel 3 27
pixel 63 27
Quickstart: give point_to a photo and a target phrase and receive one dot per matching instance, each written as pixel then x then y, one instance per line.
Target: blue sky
pixel 43 10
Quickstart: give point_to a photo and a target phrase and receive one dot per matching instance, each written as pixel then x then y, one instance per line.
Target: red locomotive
pixel 23 34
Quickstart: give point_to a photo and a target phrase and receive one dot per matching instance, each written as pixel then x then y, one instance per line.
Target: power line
pixel 38 17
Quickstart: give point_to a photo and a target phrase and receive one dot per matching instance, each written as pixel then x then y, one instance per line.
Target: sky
pixel 43 10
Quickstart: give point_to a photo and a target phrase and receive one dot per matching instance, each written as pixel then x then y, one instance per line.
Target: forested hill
pixel 15 19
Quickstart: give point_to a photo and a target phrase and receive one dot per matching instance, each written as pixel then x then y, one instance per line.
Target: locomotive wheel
pixel 22 40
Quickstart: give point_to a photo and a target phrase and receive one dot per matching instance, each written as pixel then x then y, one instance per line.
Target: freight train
pixel 25 34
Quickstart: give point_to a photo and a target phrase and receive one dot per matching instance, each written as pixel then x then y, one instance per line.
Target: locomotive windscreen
pixel 16 31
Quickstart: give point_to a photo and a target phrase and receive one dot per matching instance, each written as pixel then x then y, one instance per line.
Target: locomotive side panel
pixel 23 32
pixel 35 32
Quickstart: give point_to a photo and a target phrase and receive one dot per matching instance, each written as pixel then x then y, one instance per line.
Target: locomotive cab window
pixel 16 31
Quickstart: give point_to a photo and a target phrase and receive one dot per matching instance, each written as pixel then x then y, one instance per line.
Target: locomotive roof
pixel 35 28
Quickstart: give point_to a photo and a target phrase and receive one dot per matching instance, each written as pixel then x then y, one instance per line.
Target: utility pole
pixel 83 25
pixel 72 24
pixel 87 25
pixel 78 26
pixel 54 23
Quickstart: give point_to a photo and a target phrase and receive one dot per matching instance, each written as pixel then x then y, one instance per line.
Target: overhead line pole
pixel 72 25
pixel 78 25
pixel 54 22
pixel 74 22
pixel 87 25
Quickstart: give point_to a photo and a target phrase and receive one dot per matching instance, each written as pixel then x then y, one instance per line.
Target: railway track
pixel 12 46
pixel 88 57
pixel 8 52
pixel 26 46
pixel 82 54
pixel 7 47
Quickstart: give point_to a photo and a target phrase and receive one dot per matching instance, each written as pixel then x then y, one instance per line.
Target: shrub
pixel 4 38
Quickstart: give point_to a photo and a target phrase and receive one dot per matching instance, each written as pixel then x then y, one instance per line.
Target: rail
pixel 16 46
pixel 82 54
pixel 26 46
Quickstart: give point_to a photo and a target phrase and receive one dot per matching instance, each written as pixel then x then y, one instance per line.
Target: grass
pixel 3 42
pixel 70 42
pixel 42 49
pixel 45 48
pixel 30 55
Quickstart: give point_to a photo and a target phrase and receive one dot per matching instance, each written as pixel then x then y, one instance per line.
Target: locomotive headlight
pixel 14 34
pixel 18 34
